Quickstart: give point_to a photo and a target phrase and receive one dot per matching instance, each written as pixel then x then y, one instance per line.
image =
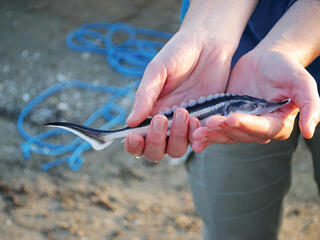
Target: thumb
pixel 307 99
pixel 148 91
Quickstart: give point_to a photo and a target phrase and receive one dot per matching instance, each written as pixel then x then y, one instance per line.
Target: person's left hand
pixel 274 76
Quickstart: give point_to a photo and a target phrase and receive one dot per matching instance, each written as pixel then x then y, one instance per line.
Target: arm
pixel 297 33
pixel 207 24
pixel 275 70
pixel 194 63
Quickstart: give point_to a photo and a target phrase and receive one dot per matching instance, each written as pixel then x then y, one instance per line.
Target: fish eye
pixel 232 108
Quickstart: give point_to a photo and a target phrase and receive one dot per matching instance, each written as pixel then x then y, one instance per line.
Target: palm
pixel 192 71
pixel 268 76
pixel 184 69
pixel 189 66
pixel 274 77
pixel 192 86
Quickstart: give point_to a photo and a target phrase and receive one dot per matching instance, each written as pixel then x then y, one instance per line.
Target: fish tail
pixel 99 139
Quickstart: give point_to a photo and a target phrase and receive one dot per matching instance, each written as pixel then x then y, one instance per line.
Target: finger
pixel 285 125
pixel 254 125
pixel 198 147
pixel 149 89
pixel 212 132
pixel 194 123
pixel 238 131
pixel 307 99
pixel 214 121
pixel 156 138
pixel 236 128
pixel 203 134
pixel 309 119
pixel 202 137
pixel 260 128
pixel 134 144
pixel 239 135
pixel 178 140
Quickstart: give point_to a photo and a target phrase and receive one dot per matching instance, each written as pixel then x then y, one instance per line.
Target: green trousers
pixel 238 189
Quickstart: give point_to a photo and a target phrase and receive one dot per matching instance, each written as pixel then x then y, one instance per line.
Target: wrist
pixel 218 20
pixel 297 33
pixel 261 55
pixel 297 52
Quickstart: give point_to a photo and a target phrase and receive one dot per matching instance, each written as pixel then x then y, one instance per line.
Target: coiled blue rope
pixel 128 58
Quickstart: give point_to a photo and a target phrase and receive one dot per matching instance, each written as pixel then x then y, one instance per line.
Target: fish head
pixel 254 106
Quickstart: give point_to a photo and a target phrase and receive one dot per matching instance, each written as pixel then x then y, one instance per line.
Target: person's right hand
pixel 194 63
pixel 188 67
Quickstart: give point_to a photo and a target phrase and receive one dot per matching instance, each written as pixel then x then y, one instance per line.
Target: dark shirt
pixel 265 16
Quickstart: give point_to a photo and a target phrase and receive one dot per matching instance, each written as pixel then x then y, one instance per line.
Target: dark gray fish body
pixel 203 108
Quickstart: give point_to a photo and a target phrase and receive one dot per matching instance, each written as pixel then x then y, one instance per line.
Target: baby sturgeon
pixel 203 108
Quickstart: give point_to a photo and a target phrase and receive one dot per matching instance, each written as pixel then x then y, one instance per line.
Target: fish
pixel 223 104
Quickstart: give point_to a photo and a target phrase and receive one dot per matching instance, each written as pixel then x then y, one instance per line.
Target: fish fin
pixel 99 139
pixel 285 102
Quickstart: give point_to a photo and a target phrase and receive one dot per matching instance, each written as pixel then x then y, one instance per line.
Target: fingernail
pixel 180 117
pixel 158 124
pixel 133 143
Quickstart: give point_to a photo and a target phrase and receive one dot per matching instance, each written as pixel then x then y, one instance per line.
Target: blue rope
pixel 128 58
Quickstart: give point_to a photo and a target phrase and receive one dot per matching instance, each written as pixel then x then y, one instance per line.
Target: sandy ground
pixel 113 196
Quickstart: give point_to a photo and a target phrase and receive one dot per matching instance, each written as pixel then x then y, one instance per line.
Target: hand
pixel 274 76
pixel 194 63
pixel 185 68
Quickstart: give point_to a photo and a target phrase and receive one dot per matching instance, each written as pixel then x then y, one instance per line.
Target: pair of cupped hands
pixel 188 68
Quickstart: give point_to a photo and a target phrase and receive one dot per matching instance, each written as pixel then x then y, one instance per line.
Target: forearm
pixel 297 32
pixel 222 20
